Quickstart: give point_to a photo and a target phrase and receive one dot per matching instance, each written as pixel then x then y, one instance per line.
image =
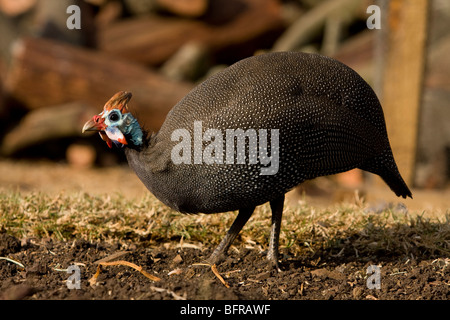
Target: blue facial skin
pixel 123 124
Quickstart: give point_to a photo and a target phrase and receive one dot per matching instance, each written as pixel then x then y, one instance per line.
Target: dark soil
pixel 322 277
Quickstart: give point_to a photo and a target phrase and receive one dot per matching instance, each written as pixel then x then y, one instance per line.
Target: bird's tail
pixel 396 183
pixel 385 166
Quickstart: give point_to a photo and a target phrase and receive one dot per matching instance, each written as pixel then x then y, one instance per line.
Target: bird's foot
pixel 215 258
pixel 272 257
pixel 273 265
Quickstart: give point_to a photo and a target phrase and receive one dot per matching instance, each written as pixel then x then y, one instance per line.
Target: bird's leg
pixel 277 212
pixel 236 227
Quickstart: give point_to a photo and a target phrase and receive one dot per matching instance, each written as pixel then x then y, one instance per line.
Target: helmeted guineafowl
pixel 252 132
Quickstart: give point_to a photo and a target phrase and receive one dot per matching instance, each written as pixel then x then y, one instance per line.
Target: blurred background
pixel 59 65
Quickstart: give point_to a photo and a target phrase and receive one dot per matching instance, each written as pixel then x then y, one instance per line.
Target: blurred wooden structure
pixel 304 29
pixel 433 151
pixel 403 73
pixel 152 39
pixel 46 73
pixel 159 49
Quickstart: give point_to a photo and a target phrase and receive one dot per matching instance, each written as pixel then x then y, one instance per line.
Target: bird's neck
pixel 133 133
pixel 150 162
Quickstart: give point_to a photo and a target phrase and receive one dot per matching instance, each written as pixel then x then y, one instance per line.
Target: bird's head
pixel 115 123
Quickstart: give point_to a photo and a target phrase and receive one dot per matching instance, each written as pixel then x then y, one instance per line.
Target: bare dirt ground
pixel 326 277
pixel 331 272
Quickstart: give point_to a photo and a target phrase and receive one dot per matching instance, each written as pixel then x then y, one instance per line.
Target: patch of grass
pixel 342 230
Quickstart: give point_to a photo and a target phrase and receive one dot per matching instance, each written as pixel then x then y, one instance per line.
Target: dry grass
pixel 337 230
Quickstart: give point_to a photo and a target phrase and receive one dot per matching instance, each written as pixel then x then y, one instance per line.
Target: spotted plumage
pixel 327 118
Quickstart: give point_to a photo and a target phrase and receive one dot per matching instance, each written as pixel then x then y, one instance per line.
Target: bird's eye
pixel 113 116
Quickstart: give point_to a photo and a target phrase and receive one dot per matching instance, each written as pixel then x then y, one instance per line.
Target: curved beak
pixel 97 123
